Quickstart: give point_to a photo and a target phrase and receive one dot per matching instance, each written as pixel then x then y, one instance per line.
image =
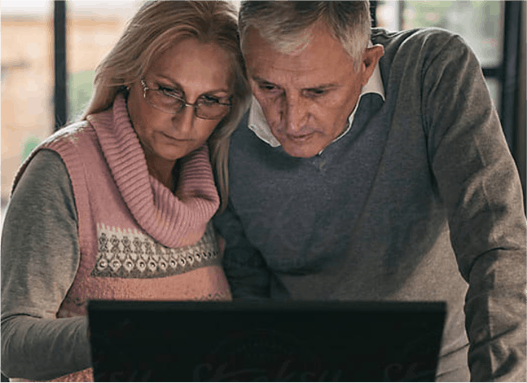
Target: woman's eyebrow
pixel 177 84
pixel 171 80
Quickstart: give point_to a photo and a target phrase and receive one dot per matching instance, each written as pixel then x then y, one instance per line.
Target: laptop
pixel 271 341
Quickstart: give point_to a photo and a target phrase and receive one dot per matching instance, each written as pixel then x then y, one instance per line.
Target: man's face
pixel 306 96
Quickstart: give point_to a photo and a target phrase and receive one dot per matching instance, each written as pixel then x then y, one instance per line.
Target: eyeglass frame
pixel 184 103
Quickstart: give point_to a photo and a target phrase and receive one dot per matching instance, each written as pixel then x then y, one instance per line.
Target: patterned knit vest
pixel 138 240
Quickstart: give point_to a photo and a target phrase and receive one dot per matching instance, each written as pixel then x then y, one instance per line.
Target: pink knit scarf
pixel 174 220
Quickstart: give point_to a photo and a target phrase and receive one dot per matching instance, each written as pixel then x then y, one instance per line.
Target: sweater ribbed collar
pixel 173 219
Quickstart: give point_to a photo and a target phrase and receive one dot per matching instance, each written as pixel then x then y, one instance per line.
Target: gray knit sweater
pixel 420 200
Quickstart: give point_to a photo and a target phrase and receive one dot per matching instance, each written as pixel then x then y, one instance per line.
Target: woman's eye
pixel 210 100
pixel 170 92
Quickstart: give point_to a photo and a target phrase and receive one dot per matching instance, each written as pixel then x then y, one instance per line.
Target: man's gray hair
pixel 287 25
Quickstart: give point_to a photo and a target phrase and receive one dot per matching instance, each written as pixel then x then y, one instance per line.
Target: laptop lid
pixel 278 341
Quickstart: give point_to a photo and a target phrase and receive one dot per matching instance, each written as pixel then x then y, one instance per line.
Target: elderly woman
pixel 117 206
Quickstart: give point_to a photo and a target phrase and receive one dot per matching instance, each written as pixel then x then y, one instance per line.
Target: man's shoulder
pixel 417 39
pixel 386 37
pixel 418 48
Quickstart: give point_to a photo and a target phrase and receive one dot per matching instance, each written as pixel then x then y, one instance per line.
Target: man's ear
pixel 370 59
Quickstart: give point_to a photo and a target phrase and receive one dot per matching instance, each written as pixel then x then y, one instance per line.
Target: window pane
pixel 27 82
pixel 494 87
pixel 388 14
pixel 93 29
pixel 478 22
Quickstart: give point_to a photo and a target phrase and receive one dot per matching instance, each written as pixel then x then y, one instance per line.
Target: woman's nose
pixel 184 120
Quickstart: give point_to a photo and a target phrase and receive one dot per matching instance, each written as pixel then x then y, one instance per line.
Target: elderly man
pixel 372 166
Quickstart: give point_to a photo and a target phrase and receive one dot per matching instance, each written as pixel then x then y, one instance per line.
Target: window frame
pixel 60 96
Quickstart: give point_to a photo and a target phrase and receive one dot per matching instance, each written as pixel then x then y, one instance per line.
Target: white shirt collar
pixel 258 124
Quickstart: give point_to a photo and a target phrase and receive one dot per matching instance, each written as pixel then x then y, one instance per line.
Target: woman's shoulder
pixel 46 172
pixel 45 177
pixel 63 148
pixel 67 134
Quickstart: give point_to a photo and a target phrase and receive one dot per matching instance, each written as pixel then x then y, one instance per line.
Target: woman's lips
pixel 174 138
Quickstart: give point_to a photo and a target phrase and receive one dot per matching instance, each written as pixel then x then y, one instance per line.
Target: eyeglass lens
pixel 203 108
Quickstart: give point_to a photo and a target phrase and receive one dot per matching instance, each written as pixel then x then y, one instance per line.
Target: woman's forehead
pixel 194 64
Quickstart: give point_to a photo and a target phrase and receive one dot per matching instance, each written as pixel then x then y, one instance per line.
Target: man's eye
pixel 316 92
pixel 267 87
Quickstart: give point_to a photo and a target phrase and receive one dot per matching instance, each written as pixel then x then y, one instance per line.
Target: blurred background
pixel 49 51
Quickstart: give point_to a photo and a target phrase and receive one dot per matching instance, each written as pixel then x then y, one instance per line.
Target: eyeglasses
pixel 206 107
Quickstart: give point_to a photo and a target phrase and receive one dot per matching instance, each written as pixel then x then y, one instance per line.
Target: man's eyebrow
pixel 320 86
pixel 261 80
pixel 323 86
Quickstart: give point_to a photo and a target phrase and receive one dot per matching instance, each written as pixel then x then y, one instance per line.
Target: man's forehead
pixel 323 53
pixel 267 64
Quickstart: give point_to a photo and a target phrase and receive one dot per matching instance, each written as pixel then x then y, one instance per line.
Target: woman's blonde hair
pixel 154 28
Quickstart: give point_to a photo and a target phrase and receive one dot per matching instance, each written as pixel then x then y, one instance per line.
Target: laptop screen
pixel 279 341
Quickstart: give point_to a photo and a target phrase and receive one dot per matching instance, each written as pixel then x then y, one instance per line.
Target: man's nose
pixel 295 114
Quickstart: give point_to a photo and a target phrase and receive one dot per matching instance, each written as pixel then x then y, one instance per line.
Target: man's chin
pixel 301 150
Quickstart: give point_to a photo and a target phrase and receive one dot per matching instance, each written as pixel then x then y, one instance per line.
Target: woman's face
pixel 190 70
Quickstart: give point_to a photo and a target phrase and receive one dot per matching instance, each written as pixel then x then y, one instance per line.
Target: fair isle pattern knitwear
pixel 137 239
pixel 133 254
